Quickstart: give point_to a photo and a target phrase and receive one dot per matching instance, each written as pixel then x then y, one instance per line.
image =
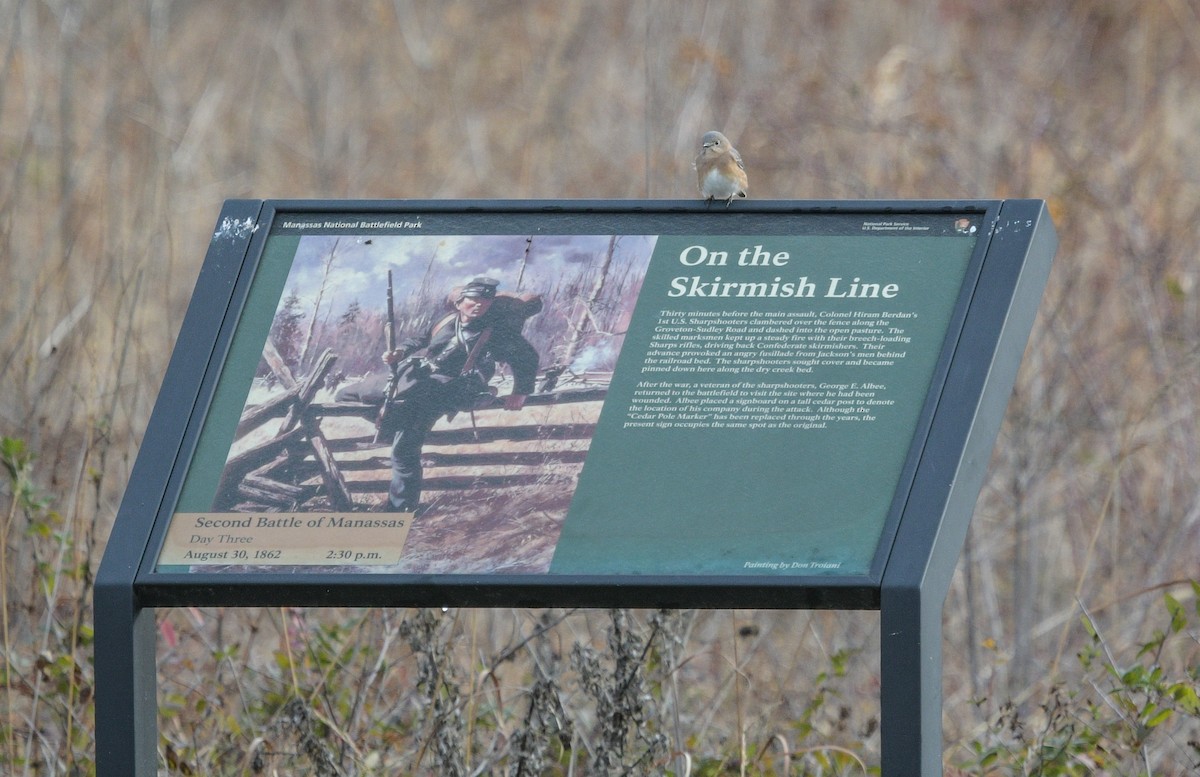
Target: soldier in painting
pixel 447 371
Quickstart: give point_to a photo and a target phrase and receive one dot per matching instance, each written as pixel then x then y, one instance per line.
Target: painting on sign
pixel 494 353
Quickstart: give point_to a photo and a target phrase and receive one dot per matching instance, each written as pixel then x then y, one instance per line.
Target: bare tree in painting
pixel 582 323
pixel 312 324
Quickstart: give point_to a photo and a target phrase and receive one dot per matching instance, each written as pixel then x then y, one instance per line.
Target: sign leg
pixel 126 691
pixel 911 684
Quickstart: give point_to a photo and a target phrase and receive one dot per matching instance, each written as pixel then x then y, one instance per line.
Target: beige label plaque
pixel 285 539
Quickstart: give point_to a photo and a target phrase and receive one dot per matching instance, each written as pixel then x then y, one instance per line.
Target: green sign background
pixel 245 351
pixel 765 501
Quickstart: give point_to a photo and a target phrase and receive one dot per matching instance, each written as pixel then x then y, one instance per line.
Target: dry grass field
pixel 1072 626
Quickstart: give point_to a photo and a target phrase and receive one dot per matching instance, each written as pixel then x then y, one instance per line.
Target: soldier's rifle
pixel 389 391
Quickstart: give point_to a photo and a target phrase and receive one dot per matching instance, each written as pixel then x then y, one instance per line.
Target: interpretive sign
pixel 778 404
pixel 701 403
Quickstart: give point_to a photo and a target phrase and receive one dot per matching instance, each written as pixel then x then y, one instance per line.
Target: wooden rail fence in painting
pixel 324 453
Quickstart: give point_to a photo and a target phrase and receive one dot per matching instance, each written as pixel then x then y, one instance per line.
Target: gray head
pixel 715 140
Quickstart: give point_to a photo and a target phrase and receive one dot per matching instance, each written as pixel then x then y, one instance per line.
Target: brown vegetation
pixel 123 126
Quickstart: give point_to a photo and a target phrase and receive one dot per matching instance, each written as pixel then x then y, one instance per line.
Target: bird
pixel 719 169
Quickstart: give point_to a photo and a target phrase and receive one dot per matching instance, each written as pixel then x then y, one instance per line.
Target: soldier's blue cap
pixel 480 288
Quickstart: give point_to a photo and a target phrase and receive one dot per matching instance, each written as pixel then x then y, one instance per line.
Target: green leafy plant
pixel 1141 717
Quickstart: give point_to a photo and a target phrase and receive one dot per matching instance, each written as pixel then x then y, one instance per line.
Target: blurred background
pixel 125 125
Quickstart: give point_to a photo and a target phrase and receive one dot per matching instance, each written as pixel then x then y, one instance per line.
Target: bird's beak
pixel 708 145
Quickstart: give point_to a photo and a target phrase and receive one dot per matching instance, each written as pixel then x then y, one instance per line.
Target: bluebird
pixel 719 169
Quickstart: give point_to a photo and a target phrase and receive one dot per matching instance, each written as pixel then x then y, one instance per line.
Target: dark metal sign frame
pixel 908 582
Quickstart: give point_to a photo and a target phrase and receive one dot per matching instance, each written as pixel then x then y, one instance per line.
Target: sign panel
pixel 523 393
